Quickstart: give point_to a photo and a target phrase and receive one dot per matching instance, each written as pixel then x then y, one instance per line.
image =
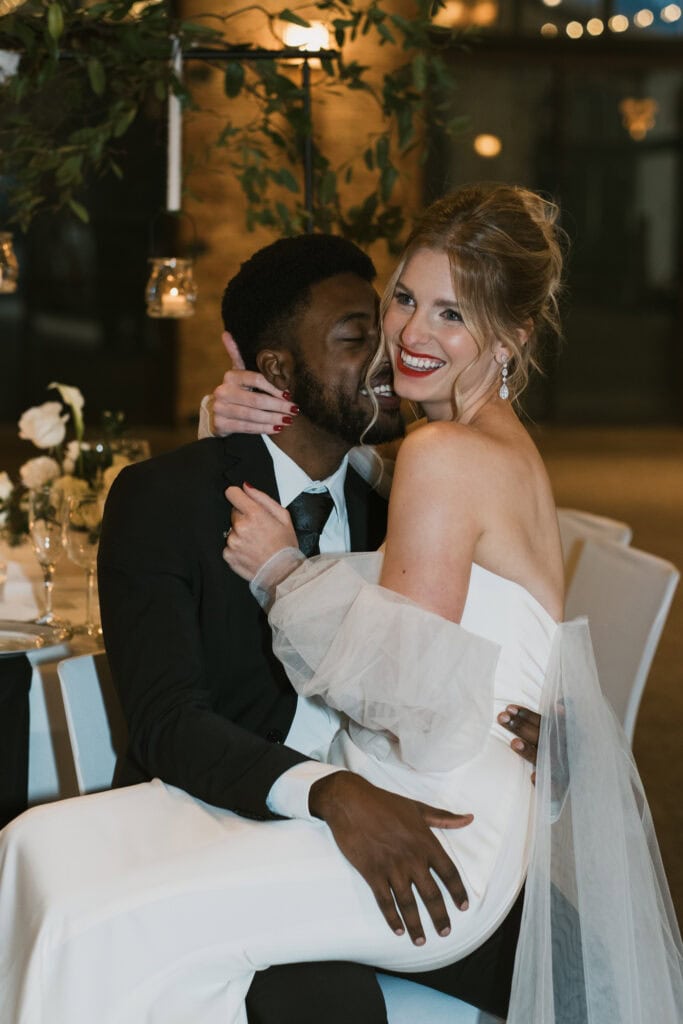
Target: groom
pixel 208 707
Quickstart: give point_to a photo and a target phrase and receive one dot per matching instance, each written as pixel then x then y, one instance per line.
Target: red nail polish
pixel 277 427
pixel 248 485
pixel 288 419
pixel 295 409
pixel 287 395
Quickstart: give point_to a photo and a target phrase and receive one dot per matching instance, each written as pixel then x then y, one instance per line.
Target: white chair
pixel 97 729
pixel 410 1003
pixel 626 595
pixel 577 526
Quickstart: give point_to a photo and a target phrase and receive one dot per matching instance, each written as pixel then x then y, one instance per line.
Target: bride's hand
pixel 246 403
pixel 260 528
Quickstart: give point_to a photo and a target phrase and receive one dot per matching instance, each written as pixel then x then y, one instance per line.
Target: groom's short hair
pixel 273 286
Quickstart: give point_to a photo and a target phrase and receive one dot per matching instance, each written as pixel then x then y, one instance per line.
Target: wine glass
pixel 82 526
pixel 45 524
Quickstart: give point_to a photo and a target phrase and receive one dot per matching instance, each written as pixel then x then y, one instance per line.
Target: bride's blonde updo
pixel 504 248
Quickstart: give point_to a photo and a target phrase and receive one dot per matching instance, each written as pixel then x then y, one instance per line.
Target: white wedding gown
pixel 144 906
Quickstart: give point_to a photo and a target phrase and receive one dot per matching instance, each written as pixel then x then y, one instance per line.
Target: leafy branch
pixel 87 72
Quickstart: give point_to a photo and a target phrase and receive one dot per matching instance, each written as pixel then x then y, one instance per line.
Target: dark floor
pixel 631 474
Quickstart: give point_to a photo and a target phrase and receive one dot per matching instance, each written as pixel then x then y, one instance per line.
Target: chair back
pixel 97 729
pixel 577 526
pixel 626 595
pixel 408 1002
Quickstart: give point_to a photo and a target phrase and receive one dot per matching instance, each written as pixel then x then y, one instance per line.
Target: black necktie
pixel 309 514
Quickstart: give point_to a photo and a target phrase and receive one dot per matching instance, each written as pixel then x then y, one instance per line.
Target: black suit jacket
pixel 206 702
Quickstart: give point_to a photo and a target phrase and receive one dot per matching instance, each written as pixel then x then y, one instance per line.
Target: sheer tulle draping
pixel 599 942
pixel 403 675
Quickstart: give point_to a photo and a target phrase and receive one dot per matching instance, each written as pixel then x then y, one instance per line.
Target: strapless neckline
pixel 519 588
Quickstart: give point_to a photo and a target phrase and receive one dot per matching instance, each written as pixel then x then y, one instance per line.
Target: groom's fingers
pixel 388 839
pixel 526 725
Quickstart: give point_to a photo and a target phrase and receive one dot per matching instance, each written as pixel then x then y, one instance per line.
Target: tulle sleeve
pixel 423 683
pixel 599 943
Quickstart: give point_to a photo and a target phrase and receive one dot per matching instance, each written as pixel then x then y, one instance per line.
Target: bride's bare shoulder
pixel 427 450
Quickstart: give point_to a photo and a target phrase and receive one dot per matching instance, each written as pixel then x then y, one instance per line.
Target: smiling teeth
pixel 420 362
pixel 383 389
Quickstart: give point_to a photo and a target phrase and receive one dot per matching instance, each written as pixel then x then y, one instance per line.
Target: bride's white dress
pixel 144 906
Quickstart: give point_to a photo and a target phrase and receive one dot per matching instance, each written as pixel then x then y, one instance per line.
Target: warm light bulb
pixel 487 145
pixel 595 27
pixel 552 3
pixel 644 18
pixel 670 13
pixel 619 23
pixel 315 37
pixel 638 116
pixel 484 12
pixel 574 29
pixel 549 30
pixel 453 14
pixel 9 268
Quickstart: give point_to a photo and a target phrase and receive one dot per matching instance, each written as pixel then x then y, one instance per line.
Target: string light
pixel 644 18
pixel 549 30
pixel 618 23
pixel 670 13
pixel 574 29
pixel 595 27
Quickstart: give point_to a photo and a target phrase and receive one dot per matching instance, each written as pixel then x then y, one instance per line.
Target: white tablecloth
pixel 51 769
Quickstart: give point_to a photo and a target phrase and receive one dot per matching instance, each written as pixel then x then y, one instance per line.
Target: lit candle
pixel 173 303
pixel 175 136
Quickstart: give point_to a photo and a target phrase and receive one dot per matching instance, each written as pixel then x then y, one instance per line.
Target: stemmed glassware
pixel 45 523
pixel 82 526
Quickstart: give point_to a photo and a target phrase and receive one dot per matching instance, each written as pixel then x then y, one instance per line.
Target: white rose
pixel 37 472
pixel 6 486
pixel 44 425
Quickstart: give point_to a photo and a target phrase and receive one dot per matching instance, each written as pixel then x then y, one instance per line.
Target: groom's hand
pixel 388 839
pixel 526 725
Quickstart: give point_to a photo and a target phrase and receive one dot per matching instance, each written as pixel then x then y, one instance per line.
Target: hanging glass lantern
pixel 171 289
pixel 9 268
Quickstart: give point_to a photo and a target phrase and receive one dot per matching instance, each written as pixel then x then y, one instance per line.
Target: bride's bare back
pixel 472 493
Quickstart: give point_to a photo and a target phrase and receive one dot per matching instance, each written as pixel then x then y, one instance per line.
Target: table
pixel 51 774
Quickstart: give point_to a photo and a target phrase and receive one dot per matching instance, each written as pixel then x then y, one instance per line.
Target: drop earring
pixel 504 390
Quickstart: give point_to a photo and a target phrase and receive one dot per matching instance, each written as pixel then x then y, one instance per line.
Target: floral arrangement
pixel 74 466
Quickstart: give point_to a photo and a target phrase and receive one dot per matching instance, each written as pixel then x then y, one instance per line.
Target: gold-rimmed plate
pixel 23 637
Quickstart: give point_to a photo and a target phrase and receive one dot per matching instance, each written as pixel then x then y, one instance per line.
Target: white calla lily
pixel 72 397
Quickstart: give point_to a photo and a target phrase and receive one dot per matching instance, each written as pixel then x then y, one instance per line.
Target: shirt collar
pixel 291 479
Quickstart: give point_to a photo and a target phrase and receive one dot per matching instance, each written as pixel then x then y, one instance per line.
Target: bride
pixel 418 647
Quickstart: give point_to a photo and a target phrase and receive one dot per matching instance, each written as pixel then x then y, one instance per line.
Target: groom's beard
pixel 341 413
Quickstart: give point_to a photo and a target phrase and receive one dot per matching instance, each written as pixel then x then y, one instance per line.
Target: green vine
pixel 87 72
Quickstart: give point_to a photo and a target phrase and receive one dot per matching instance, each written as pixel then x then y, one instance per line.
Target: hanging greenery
pixel 86 72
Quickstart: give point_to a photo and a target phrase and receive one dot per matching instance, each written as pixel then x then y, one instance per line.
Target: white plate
pixel 17 637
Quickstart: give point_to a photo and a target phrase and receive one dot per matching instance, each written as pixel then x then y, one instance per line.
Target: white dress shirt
pixel 314 724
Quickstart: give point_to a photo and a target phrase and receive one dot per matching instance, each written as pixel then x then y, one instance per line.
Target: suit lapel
pixel 247 458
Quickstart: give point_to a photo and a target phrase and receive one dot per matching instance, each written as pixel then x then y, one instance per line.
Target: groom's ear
pixel 277 366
